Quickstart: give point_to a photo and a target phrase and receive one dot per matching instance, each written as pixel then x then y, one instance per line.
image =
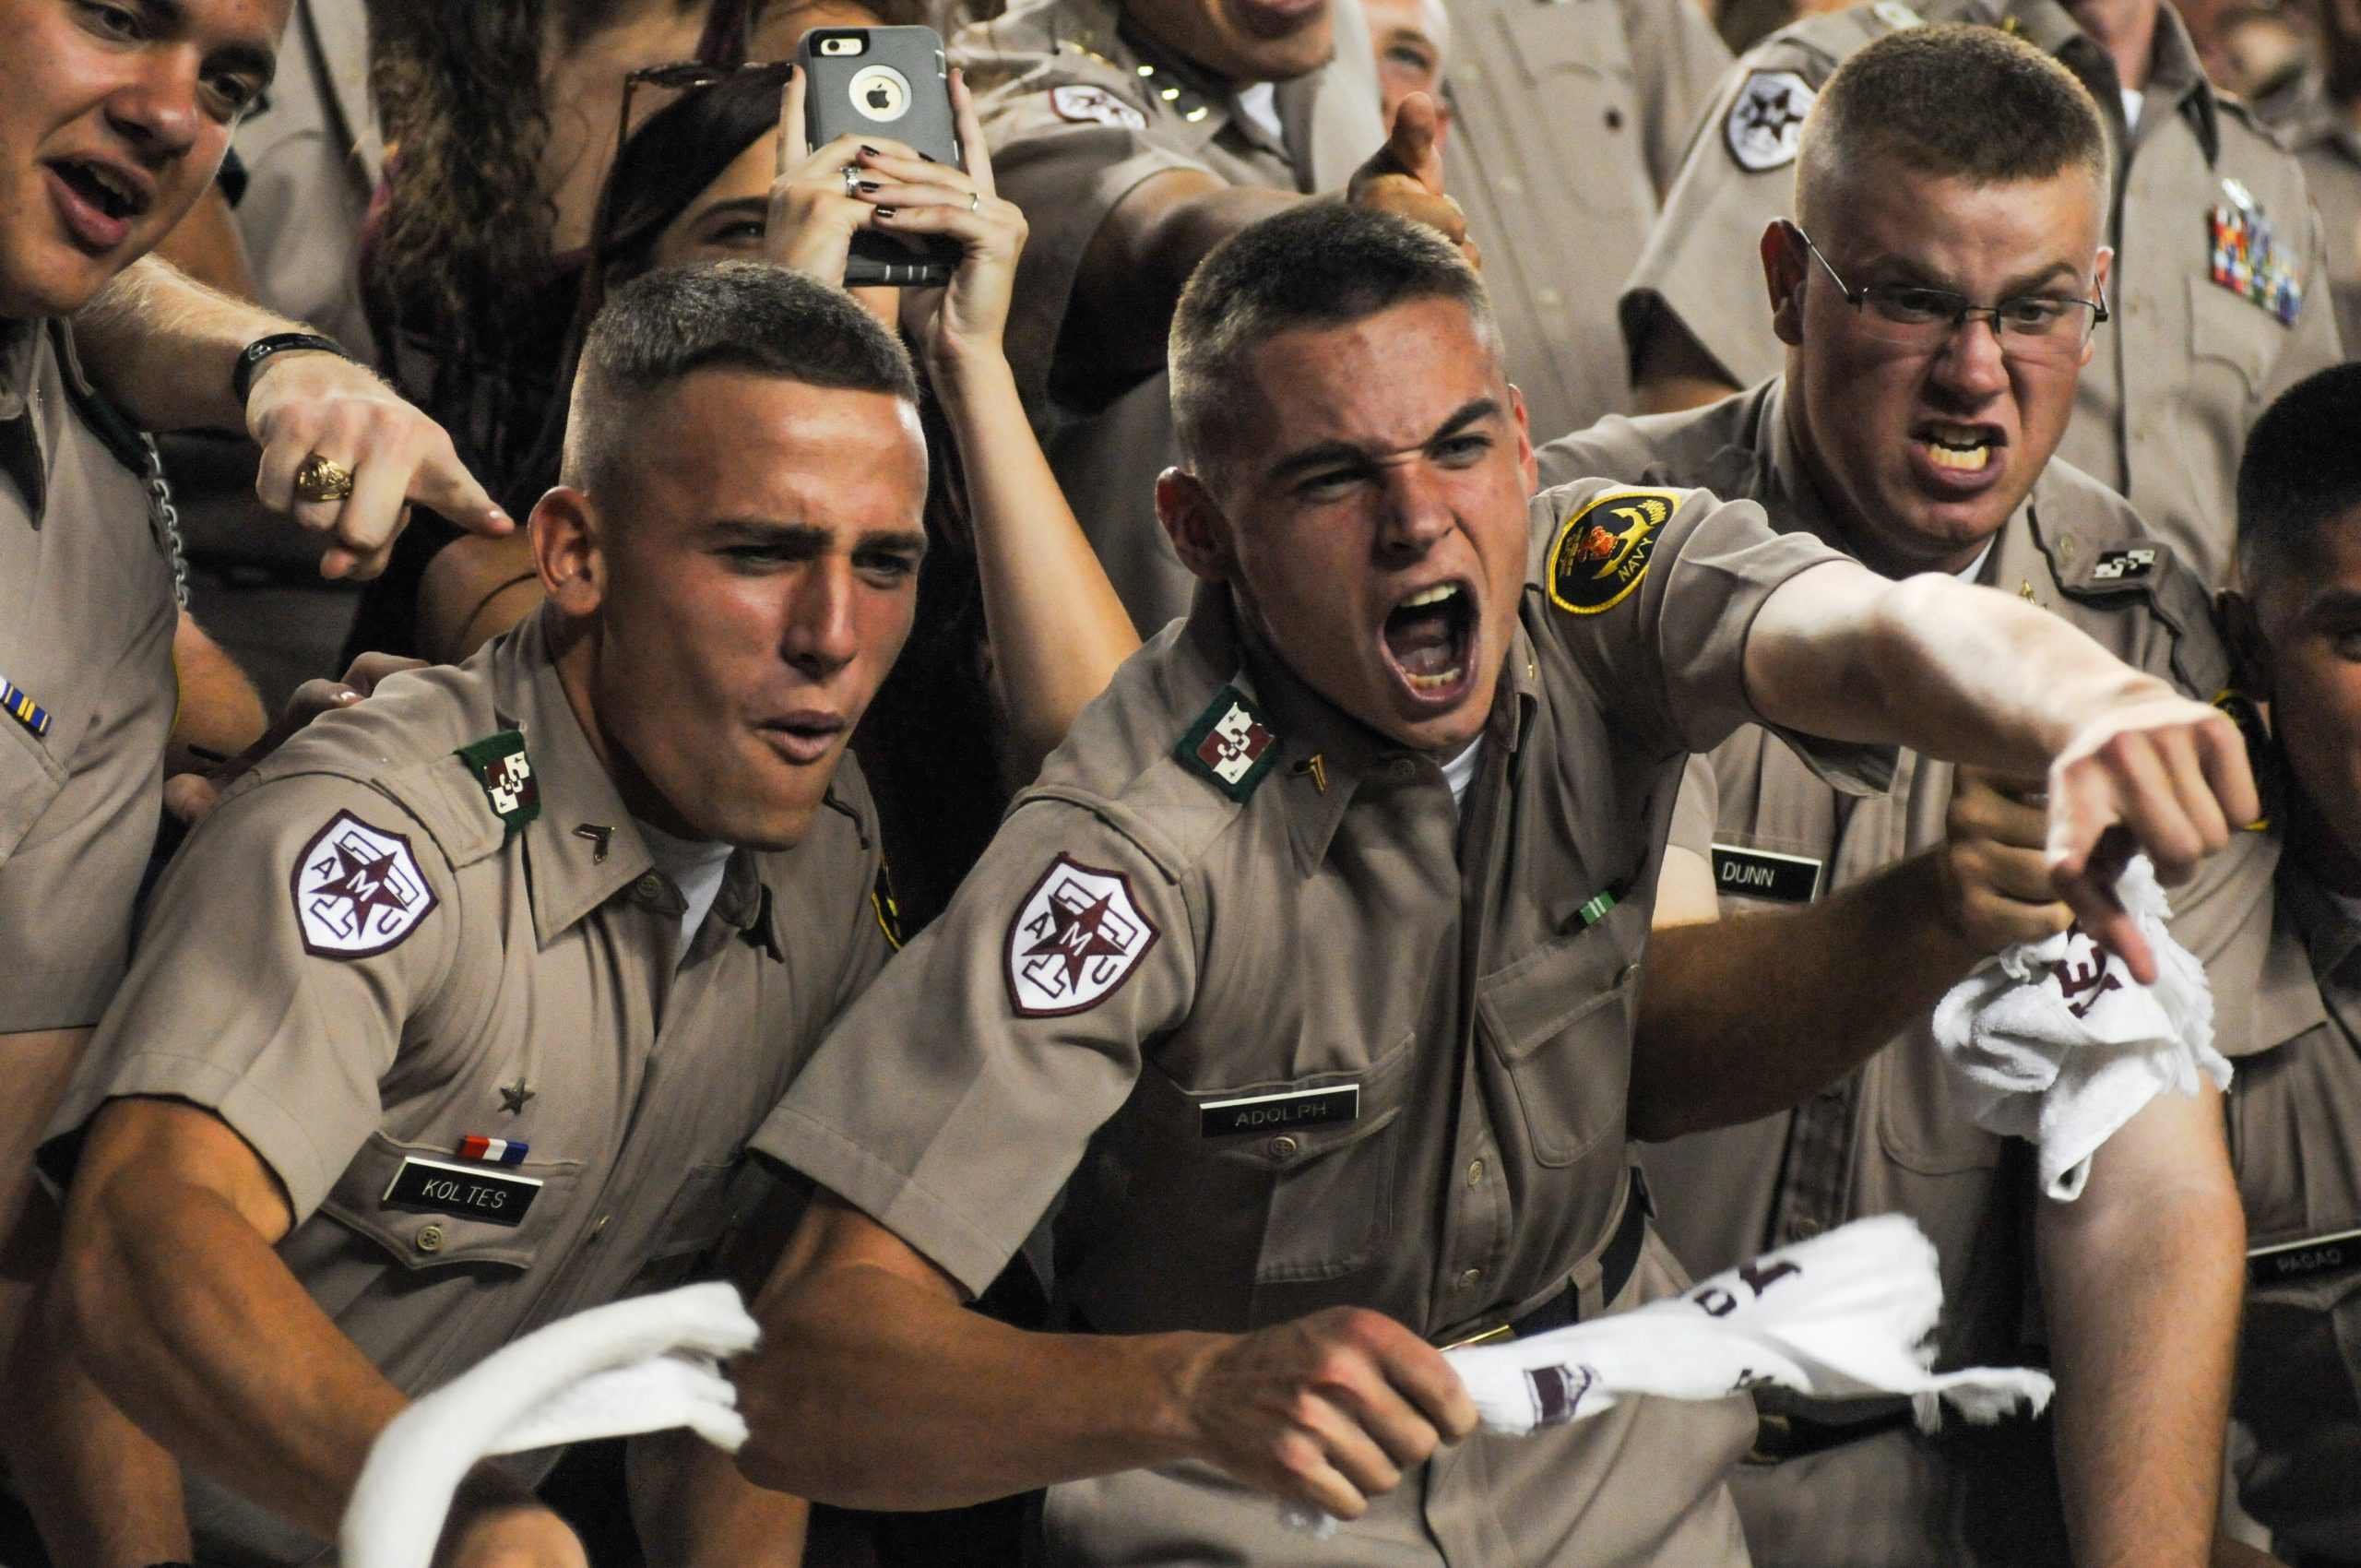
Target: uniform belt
pixel 1785 1435
pixel 1615 1265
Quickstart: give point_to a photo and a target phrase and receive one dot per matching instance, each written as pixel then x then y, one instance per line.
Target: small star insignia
pixel 514 1096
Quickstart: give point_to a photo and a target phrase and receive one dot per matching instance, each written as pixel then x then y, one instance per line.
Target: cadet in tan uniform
pixel 2220 299
pixel 1135 137
pixel 2296 1114
pixel 2319 119
pixel 1568 123
pixel 1306 971
pixel 1920 443
pixel 104 142
pixel 523 949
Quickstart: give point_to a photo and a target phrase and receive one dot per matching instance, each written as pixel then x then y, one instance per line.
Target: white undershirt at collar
pixel 1260 104
pixel 1460 771
pixel 696 868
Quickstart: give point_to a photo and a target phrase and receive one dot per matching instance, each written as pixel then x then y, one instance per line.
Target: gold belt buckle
pixel 1499 1334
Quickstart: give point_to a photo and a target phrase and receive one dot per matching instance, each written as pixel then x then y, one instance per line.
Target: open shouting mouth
pixel 1431 641
pixel 98 199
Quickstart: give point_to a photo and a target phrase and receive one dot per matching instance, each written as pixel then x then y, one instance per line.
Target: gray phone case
pixel 896 85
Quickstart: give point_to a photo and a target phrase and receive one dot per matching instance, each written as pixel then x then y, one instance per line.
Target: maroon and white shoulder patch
pixel 1078 935
pixel 358 890
pixel 1085 104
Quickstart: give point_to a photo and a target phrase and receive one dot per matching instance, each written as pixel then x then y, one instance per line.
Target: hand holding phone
pixel 873 83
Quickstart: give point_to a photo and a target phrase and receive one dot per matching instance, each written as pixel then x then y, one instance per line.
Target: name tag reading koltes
pixel 471 1192
pixel 1758 874
pixel 2306 1259
pixel 1268 1112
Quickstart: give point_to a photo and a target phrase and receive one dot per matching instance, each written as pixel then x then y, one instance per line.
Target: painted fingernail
pixel 884 212
pixel 929 158
pixel 870 150
pixel 869 185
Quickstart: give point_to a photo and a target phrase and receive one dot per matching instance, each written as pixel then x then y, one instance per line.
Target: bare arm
pixel 694 1510
pixel 874 1387
pixel 2142 1278
pixel 220 713
pixel 1973 676
pixel 165 346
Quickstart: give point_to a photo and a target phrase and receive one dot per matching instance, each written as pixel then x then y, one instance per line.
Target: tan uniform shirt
pixel 1893 1136
pixel 2327 142
pixel 2295 1134
pixel 2186 365
pixel 1291 1033
pixel 87 691
pixel 312 155
pixel 1081 108
pixel 409 972
pixel 1568 122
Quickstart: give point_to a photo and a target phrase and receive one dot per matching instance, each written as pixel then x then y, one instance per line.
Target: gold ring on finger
pixel 322 478
pixel 974 200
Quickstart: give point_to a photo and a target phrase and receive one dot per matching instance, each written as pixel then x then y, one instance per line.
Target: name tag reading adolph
pixel 470 1192
pixel 2306 1259
pixel 1267 1112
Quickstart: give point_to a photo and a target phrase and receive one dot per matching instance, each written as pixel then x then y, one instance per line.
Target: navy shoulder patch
pixel 889 913
pixel 1602 551
pixel 358 890
pixel 1765 124
pixel 1230 743
pixel 501 765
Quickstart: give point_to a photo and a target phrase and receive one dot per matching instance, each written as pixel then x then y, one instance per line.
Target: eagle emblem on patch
pixel 501 765
pixel 1230 743
pixel 1085 104
pixel 1078 935
pixel 1765 125
pixel 358 890
pixel 1602 551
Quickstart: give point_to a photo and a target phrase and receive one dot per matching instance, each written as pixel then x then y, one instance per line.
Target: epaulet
pixel 114 428
pixel 1830 36
pixel 2125 562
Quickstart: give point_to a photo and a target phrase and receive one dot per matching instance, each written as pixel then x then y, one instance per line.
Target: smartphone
pixel 883 82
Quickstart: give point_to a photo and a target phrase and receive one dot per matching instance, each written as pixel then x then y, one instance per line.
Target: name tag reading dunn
pixel 1758 874
pixel 2306 1259
pixel 471 1192
pixel 1294 1108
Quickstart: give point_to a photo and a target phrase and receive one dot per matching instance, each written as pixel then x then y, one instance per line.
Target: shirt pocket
pixel 30 780
pixel 2227 330
pixel 1329 1204
pixel 421 1238
pixel 1579 92
pixel 693 1224
pixel 1559 1020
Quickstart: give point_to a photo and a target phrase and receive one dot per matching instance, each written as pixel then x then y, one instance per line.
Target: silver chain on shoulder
pixel 167 517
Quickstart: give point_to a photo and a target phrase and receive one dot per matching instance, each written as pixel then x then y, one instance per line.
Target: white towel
pixel 1842 1316
pixel 2060 1046
pixel 647 1364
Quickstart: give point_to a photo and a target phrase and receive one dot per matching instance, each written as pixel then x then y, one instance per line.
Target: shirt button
pixel 430 1239
pixel 1403 768
pixel 1548 299
pixel 1508 184
pixel 1283 1148
pixel 1469 1280
pixel 1474 1171
pixel 649 886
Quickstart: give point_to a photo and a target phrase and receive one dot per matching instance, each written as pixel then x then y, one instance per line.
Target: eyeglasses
pixel 2042 329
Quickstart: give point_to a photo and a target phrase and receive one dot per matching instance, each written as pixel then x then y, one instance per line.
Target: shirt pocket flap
pixel 1560 1019
pixel 2225 327
pixel 30 780
pixel 1582 37
pixel 425 1232
pixel 1281 1124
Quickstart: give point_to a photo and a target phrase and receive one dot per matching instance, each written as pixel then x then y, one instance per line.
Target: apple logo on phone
pixel 880 92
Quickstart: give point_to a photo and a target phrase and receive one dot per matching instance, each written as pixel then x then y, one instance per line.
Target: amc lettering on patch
pixel 1758 874
pixel 1602 551
pixel 2290 1262
pixel 1078 935
pixel 1277 1112
pixel 469 1192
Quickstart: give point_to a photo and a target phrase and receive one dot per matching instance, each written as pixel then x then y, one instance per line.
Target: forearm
pixel 870 1391
pixel 191 1323
pixel 2142 1278
pixel 694 1510
pixel 163 346
pixel 1058 631
pixel 220 713
pixel 1742 1017
pixel 1967 675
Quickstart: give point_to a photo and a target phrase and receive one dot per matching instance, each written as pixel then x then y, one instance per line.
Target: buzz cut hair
pixel 2300 474
pixel 1952 100
pixel 742 315
pixel 1317 264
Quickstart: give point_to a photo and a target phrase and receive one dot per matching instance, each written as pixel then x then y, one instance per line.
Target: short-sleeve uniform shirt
pixel 2295 1136
pixel 1568 122
pixel 86 693
pixel 2218 294
pixel 2322 134
pixel 1289 1032
pixel 1894 1135
pixel 1080 106
pixel 461 1040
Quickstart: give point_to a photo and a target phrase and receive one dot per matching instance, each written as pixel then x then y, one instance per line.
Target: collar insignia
pixel 1317 767
pixel 598 834
pixel 2116 566
pixel 501 765
pixel 1230 744
pixel 888 912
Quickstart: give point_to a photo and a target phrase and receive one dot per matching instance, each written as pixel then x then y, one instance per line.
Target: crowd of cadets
pixel 1528 582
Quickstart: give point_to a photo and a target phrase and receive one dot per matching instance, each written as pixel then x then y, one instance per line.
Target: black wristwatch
pixel 242 375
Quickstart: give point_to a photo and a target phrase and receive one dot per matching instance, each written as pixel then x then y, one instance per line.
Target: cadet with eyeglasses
pixel 2220 300
pixel 1913 429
